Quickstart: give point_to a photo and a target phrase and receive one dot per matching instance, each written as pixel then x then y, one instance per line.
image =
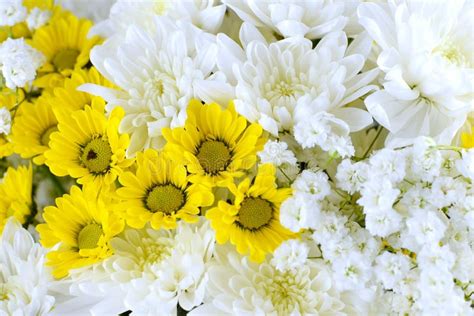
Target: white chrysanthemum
pixel 310 19
pixel 274 81
pixel 18 62
pixel 426 55
pixel 24 278
pixel 5 121
pixel 12 12
pixel 151 271
pixel 239 287
pixel 37 18
pixel 277 153
pixel 205 14
pixel 159 73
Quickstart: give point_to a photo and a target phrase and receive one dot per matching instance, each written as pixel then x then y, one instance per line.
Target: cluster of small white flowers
pixel 417 208
pixel 18 62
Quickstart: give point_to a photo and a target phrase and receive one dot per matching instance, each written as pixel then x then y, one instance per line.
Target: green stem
pixel 286 176
pixel 372 143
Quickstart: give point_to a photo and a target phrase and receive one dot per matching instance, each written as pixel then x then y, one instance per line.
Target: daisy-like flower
pixel 66 46
pixel 239 287
pixel 215 145
pixel 426 55
pixel 252 221
pixel 151 271
pixel 159 192
pixel 273 81
pixel 25 280
pixel 80 227
pixel 158 79
pixel 88 146
pixel 310 19
pixel 205 14
pixel 32 129
pixel 15 194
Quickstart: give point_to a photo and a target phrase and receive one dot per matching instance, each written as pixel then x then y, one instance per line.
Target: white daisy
pixel 240 287
pixel 275 84
pixel 25 281
pixel 159 73
pixel 151 271
pixel 311 19
pixel 426 55
pixel 205 14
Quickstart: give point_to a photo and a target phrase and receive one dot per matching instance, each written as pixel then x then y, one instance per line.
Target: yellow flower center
pixel 96 155
pixel 44 139
pixel 468 139
pixel 255 213
pixel 214 156
pixel 165 198
pixel 65 59
pixel 89 236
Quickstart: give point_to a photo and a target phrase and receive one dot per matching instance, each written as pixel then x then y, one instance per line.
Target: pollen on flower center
pixel 214 156
pixel 165 198
pixel 44 139
pixel 255 213
pixel 89 236
pixel 96 155
pixel 65 59
pixel 284 89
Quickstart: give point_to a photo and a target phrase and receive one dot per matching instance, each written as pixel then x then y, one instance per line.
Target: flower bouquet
pixel 237 157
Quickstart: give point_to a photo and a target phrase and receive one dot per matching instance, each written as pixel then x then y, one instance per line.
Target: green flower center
pixel 254 213
pixel 44 139
pixel 65 59
pixel 165 198
pixel 214 156
pixel 89 236
pixel 96 155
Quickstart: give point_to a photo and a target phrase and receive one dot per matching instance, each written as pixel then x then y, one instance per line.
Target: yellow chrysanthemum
pixel 159 192
pixel 216 145
pixel 15 194
pixel 65 44
pixel 67 98
pixel 82 222
pixel 252 222
pixel 31 130
pixel 88 146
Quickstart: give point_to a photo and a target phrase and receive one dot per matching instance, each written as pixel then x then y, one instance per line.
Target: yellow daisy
pixel 88 146
pixel 65 44
pixel 82 222
pixel 67 98
pixel 31 130
pixel 15 194
pixel 252 222
pixel 216 145
pixel 159 192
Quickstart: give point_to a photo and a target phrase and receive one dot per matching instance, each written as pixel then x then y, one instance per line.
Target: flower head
pixel 215 145
pixel 159 192
pixel 251 222
pixel 80 226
